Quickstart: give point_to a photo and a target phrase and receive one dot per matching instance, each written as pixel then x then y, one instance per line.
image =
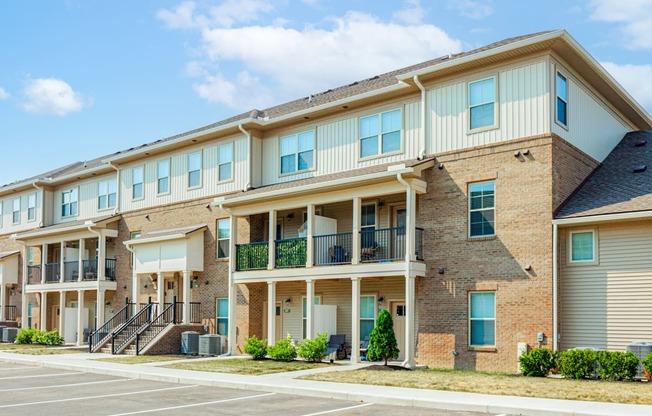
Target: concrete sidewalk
pixel 288 384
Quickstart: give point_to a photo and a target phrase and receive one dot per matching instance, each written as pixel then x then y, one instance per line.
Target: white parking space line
pixel 17 368
pixel 40 375
pixel 163 409
pixel 339 410
pixel 56 386
pixel 96 397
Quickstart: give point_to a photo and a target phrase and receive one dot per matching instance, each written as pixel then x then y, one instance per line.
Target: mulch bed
pixel 380 367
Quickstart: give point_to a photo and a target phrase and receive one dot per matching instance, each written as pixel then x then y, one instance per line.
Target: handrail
pixel 156 326
pixel 97 337
pixel 128 331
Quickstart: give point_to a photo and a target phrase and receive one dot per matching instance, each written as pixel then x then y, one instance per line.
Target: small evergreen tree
pixel 382 341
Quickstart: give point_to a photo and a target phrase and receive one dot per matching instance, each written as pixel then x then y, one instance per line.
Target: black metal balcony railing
pixel 252 256
pixel 34 274
pixel 109 269
pixel 332 249
pixel 10 313
pixel 90 269
pixel 418 244
pixel 388 244
pixel 52 272
pixel 71 271
pixel 194 311
pixel 291 252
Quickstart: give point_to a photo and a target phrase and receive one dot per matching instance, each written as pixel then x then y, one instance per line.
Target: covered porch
pixel 8 284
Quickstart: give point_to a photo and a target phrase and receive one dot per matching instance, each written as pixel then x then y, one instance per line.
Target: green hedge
pixel 313 350
pixel 255 347
pixel 538 362
pixel 617 365
pixel 284 350
pixel 35 336
pixel 577 364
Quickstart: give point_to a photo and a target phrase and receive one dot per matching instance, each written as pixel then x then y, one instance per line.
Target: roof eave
pixel 619 216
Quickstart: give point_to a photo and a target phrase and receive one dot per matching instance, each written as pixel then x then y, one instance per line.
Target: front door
pixel 398 236
pixel 278 330
pixel 397 309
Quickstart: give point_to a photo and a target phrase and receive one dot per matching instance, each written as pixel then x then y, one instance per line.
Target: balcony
pixel 333 249
pixel 252 256
pixel 90 269
pixel 52 272
pixel 34 274
pixel 109 269
pixel 291 252
pixel 71 271
pixel 10 313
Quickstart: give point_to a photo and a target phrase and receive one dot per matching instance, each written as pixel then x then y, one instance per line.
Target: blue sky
pixel 80 79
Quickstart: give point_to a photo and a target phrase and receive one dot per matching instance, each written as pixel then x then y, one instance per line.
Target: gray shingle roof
pixel 614 187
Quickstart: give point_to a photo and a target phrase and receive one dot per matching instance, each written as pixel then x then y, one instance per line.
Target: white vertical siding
pixel 608 305
pixel 7 226
pixel 592 126
pixel 87 195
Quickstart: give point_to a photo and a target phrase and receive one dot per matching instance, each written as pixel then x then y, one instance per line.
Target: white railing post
pixel 271 259
pixel 310 241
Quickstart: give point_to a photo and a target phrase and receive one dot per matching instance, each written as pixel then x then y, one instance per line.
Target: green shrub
pixel 382 341
pixel 49 338
pixel 255 347
pixel 647 365
pixel 617 365
pixel 538 362
pixel 283 350
pixel 577 364
pixel 26 336
pixel 314 350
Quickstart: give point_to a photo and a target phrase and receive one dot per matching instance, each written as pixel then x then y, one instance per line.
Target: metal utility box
pixel 9 334
pixel 210 345
pixel 190 343
pixel 640 349
pixel 2 331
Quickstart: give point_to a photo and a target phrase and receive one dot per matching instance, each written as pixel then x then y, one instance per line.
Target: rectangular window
pixel 222 312
pixel 482 319
pixel 298 152
pixel 138 177
pixel 368 226
pixel 304 313
pixel 163 177
pixel 31 207
pixel 30 255
pixel 482 103
pixel 482 209
pixel 562 99
pixel 223 238
pixel 134 235
pixel 16 211
pixel 380 133
pixel 367 315
pixel 582 246
pixel 225 165
pixel 194 170
pixel 69 203
pixel 106 194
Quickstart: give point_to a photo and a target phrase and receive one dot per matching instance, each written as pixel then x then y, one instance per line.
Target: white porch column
pixel 409 320
pixel 44 311
pixel 44 261
pixel 271 262
pixel 355 237
pixel 62 261
pixel 233 322
pixel 310 241
pixel 160 292
pixel 135 290
pixel 271 313
pixel 101 259
pixel 186 297
pixel 355 319
pixel 82 249
pixel 80 317
pixel 99 313
pixel 3 294
pixel 410 223
pixel 24 311
pixel 62 312
pixel 310 308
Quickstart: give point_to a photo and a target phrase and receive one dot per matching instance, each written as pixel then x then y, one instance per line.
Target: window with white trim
pixel 298 152
pixel 562 99
pixel 69 203
pixel 163 176
pixel 582 246
pixel 223 238
pixel 138 177
pixel 368 225
pixel 225 164
pixel 367 315
pixel 132 258
pixel 106 194
pixel 194 170
pixel 482 319
pixel 222 318
pixel 31 207
pixel 304 313
pixel 380 133
pixel 16 211
pixel 482 103
pixel 482 207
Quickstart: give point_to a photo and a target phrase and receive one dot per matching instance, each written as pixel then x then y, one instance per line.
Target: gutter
pixel 40 188
pixel 623 216
pixel 422 136
pixel 555 282
pixel 250 158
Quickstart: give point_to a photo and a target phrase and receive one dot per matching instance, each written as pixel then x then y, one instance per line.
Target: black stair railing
pixel 117 320
pixel 146 333
pixel 121 337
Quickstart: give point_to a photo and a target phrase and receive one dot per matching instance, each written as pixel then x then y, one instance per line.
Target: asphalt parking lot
pixel 46 391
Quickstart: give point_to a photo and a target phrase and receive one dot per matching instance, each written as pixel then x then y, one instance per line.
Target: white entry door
pixel 278 330
pixel 397 309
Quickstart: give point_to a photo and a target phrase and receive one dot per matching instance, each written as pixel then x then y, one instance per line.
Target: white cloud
pixel 51 96
pixel 179 18
pixel 3 94
pixel 635 79
pixel 226 14
pixel 274 62
pixel 634 15
pixel 472 9
pixel 413 14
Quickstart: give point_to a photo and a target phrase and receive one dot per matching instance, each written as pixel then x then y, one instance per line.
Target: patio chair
pixel 364 348
pixel 369 253
pixel 338 254
pixel 337 344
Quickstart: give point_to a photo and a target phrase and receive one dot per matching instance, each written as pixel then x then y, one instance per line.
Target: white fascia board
pixel 140 241
pixel 603 218
pixel 46 232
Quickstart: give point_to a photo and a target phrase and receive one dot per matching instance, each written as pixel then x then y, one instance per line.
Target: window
pixel 225 165
pixel 163 176
pixel 368 225
pixel 138 176
pixel 134 235
pixel 30 255
pixel 482 319
pixel 69 203
pixel 106 194
pixel 582 246
pixel 194 170
pixel 304 304
pixel 31 207
pixel 16 211
pixel 482 103
pixel 297 152
pixel 223 238
pixel 562 99
pixel 380 133
pixel 481 210
pixel 222 310
pixel 367 315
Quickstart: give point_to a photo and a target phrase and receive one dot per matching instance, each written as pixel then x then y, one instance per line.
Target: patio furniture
pixel 338 254
pixel 337 345
pixel 364 348
pixel 369 253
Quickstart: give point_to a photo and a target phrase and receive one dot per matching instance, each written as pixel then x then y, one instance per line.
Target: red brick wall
pixel 170 342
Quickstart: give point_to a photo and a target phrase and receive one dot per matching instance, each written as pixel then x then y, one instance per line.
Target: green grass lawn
pixel 37 349
pixel 246 366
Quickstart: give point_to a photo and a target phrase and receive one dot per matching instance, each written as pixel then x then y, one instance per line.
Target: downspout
pixel 555 278
pixel 117 188
pixel 230 279
pixel 249 159
pixel 422 136
pixel 40 188
pixel 23 296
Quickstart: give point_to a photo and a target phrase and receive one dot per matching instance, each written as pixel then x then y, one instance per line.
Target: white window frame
pixel 107 195
pixel 496 103
pixel 159 178
pixel 296 153
pixel 200 170
pixel 379 151
pixel 217 254
pixel 141 183
pixel 594 260
pixel 481 319
pixel 220 163
pixel 31 207
pixel 469 210
pixel 218 317
pixel 15 214
pixel 557 98
pixel 304 318
pixel 71 191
